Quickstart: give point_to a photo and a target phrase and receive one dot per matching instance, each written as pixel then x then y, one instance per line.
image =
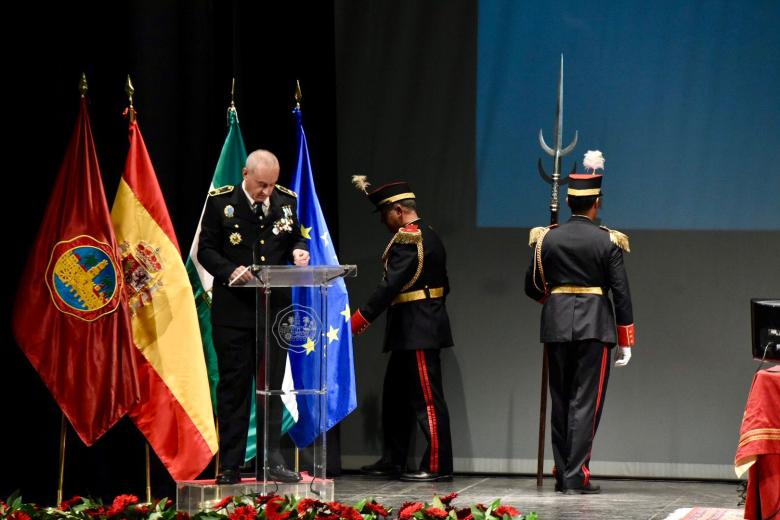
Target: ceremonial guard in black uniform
pixel 413 291
pixel 253 223
pixel 573 269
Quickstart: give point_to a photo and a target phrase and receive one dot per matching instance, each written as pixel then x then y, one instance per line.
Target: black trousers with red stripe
pixel 579 372
pixel 413 392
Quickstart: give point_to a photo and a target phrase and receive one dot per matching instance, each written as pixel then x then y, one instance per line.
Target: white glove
pixel 622 356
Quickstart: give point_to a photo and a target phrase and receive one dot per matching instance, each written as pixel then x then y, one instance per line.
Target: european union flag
pixel 336 335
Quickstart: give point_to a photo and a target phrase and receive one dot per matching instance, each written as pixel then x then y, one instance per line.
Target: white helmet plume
pixel 594 160
pixel 361 183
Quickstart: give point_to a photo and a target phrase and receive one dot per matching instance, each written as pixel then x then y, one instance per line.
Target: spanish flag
pixel 175 409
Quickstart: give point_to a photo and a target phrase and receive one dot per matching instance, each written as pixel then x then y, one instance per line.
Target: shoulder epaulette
pixel 409 234
pixel 618 238
pixel 221 190
pixel 538 232
pixel 288 191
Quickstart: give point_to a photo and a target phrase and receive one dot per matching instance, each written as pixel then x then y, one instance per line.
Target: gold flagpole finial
pixel 83 87
pixel 298 94
pixel 130 91
pixel 232 108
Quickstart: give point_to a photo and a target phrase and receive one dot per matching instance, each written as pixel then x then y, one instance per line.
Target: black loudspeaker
pixel 765 326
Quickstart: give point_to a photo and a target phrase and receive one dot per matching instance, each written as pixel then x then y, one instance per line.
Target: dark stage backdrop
pixel 181 56
pixel 408 97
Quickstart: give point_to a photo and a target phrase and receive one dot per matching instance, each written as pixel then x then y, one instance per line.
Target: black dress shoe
pixel 559 488
pixel 381 468
pixel 590 489
pixel 229 476
pixel 282 473
pixel 424 476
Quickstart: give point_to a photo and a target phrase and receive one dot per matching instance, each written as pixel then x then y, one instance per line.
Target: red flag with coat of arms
pixel 70 316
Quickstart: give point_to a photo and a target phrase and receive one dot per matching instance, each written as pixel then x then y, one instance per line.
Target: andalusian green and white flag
pixel 228 172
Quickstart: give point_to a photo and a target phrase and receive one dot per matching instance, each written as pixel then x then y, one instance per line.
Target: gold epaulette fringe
pixel 221 190
pixel 286 190
pixel 618 238
pixel 536 233
pixel 408 237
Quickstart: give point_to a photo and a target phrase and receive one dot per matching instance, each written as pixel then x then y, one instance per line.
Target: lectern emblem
pixel 297 328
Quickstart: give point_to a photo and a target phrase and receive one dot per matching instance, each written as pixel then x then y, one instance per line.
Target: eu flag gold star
pixel 345 312
pixel 309 346
pixel 305 232
pixel 333 334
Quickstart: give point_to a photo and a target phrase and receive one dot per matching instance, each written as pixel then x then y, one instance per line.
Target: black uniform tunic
pixel 232 235
pixel 569 264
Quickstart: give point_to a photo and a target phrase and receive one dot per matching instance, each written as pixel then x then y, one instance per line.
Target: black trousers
pixel 413 392
pixel 579 372
pixel 235 348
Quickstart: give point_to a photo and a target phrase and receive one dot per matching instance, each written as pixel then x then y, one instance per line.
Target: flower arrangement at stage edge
pixel 256 507
pixel 82 508
pixel 274 507
pixel 441 508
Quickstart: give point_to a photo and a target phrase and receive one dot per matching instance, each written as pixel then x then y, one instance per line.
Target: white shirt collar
pixel 251 202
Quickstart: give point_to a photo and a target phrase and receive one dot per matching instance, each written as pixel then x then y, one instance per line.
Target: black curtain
pixel 181 56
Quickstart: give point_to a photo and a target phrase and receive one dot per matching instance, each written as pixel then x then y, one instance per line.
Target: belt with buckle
pixel 576 289
pixel 422 294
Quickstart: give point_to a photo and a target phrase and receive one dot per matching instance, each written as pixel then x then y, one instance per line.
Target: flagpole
pixel 63 437
pixel 130 90
pixel 298 97
pixel 148 476
pixel 83 88
pixel 217 457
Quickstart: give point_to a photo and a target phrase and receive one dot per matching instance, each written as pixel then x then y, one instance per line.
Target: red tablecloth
pixel 758 451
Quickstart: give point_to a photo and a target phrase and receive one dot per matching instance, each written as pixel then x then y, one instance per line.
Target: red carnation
pixel 464 514
pixel 272 508
pixel 435 512
pixel 18 515
pixel 308 503
pixel 408 509
pixel 448 498
pixel 182 515
pixel 506 510
pixel 120 503
pixel 377 508
pixel 67 504
pixel 247 512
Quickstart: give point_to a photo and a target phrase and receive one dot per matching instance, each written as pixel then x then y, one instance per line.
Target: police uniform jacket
pixel 413 291
pixel 231 235
pixel 578 256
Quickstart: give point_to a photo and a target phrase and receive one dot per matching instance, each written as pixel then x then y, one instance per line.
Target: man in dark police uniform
pixel 573 268
pixel 254 222
pixel 413 291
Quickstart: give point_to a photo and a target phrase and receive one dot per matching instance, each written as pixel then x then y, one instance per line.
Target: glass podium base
pixel 193 496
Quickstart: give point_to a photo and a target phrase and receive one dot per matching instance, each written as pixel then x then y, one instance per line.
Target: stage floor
pixel 619 499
